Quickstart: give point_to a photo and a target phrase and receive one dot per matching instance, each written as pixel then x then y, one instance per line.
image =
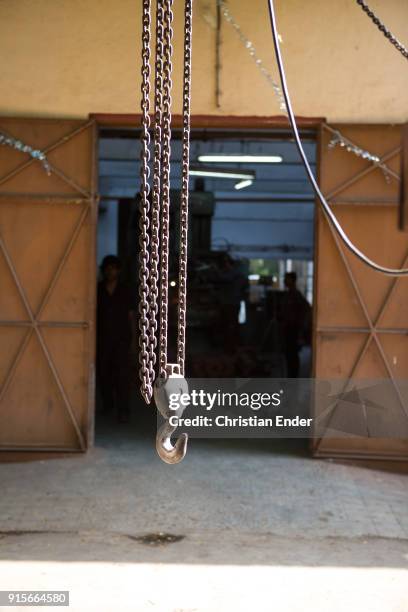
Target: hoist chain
pixel 155 212
pixel 145 359
pixel 399 46
pixel 165 204
pixel 183 256
pixel 156 190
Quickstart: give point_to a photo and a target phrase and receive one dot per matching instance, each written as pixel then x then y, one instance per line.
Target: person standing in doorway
pixel 115 324
pixel 295 315
pixel 232 288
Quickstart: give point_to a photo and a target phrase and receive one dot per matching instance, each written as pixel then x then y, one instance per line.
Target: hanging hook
pixel 164 388
pixel 165 449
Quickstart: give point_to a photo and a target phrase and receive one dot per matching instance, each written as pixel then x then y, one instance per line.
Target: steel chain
pixel 156 191
pixel 394 41
pixel 146 365
pixel 165 204
pixel 250 47
pixel 155 215
pixel 183 255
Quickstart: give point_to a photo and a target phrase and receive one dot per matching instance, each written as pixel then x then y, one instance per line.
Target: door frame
pixel 252 122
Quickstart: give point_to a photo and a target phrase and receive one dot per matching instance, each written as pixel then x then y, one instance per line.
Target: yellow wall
pixel 74 57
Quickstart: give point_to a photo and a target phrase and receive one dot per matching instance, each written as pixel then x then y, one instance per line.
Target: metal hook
pixel 174 383
pixel 165 449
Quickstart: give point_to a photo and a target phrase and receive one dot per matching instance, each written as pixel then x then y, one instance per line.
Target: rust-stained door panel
pixel 361 316
pixel 47 301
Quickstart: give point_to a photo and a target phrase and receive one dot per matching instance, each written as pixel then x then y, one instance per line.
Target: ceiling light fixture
pixel 222 173
pixel 240 159
pixel 243 184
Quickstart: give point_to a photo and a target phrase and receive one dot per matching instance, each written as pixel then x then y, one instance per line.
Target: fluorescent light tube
pixel 244 174
pixel 240 159
pixel 243 184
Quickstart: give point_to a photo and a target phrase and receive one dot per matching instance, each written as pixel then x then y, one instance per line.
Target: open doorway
pixel 250 238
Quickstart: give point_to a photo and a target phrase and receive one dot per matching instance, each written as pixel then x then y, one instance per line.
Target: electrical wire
pixel 326 208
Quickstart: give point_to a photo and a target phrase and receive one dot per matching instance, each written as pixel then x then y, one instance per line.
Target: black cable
pixel 326 208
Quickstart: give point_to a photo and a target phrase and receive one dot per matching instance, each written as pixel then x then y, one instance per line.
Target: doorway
pixel 251 224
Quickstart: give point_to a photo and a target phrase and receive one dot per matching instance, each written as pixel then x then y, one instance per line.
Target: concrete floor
pixel 262 526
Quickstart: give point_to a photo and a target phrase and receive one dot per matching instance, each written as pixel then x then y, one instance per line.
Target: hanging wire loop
pixel 325 206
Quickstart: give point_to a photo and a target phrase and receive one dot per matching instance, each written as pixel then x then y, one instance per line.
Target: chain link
pixel 182 297
pixel 394 41
pixel 155 213
pixel 165 206
pixel 156 191
pixel 250 47
pixel 146 365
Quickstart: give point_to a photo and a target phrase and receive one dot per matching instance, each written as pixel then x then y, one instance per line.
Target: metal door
pixel 361 316
pixel 47 297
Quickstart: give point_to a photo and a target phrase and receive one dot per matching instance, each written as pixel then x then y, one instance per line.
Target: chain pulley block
pixel 158 379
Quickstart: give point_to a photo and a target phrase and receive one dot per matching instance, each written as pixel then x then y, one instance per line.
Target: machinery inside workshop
pixel 251 221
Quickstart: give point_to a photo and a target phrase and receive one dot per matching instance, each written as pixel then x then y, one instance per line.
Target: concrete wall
pixel 73 57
